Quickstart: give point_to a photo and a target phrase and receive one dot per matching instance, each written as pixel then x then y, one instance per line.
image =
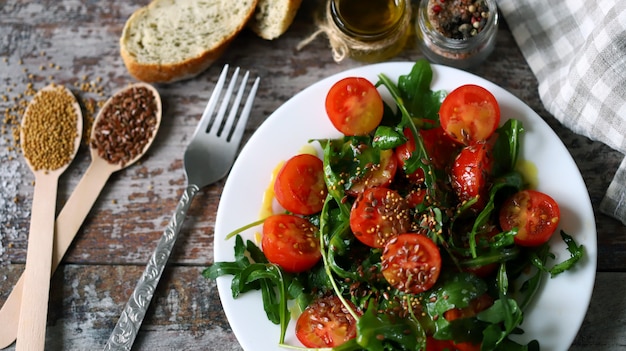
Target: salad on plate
pixel 418 229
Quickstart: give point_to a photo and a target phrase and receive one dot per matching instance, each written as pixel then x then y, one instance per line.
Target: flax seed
pixel 127 125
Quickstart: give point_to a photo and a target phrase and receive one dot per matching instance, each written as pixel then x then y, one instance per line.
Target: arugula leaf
pixel 381 332
pixel 346 161
pixel 512 180
pixel 274 292
pixel 576 253
pixel 386 138
pixel 276 286
pixel 507 146
pixel 419 158
pixel 324 232
pixel 339 244
pixel 504 315
pixel 451 291
pixel 491 256
pixel 245 227
pixel 255 253
pixel 218 269
pixel 529 288
pixel 419 99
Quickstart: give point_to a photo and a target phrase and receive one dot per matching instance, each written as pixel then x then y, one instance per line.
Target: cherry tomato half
pixel 441 150
pixel 300 186
pixel 290 242
pixel 325 323
pixel 440 147
pixel 411 263
pixel 377 215
pixel 354 106
pixel 470 113
pixel 535 214
pixel 470 173
pixel 381 174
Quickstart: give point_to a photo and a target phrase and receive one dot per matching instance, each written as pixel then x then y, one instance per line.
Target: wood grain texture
pixel 186 312
pixel 75 42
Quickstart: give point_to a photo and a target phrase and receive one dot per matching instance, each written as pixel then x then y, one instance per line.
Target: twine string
pixel 344 45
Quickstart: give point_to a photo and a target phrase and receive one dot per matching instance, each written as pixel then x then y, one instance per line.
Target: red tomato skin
pixel 466 346
pixel 482 271
pixel 300 186
pixel 440 147
pixel 475 306
pixel 290 242
pixel 404 152
pixel 469 114
pixel 470 173
pixel 416 197
pixel 411 263
pixel 433 344
pixel 370 216
pixel 354 106
pixel 380 176
pixel 326 323
pixel 535 214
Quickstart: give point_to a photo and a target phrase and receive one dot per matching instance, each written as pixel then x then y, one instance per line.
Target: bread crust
pixel 270 28
pixel 171 72
pixel 176 71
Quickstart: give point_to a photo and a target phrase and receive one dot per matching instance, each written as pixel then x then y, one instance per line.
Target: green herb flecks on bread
pixel 172 40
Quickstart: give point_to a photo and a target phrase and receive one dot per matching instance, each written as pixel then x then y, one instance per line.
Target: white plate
pixel 562 302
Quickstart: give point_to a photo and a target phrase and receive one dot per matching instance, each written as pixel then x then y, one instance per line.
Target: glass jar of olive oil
pixel 371 30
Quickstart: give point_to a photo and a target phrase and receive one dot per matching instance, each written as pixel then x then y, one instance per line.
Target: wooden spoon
pixel 31 329
pixel 73 215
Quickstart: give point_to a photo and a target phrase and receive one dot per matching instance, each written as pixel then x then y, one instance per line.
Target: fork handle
pixel 128 325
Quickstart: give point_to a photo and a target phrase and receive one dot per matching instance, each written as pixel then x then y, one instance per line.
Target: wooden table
pixel 75 42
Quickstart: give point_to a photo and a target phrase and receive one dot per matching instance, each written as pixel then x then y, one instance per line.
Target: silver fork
pixel 208 158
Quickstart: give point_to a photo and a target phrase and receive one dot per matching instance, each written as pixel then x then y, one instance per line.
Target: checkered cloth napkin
pixel 577 51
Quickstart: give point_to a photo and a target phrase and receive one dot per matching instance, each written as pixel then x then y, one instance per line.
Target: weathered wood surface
pixel 186 313
pixel 74 42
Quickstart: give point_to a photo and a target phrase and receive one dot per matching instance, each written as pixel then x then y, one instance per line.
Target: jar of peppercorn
pixel 457 33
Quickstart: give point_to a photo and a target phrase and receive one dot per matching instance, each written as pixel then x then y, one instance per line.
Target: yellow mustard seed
pixel 49 129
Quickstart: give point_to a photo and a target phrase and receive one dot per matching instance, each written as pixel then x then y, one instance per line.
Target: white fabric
pixel 577 51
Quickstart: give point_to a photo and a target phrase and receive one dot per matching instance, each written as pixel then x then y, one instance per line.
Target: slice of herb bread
pixel 273 17
pixel 172 40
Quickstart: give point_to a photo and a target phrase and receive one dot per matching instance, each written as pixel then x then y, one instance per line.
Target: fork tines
pixel 214 123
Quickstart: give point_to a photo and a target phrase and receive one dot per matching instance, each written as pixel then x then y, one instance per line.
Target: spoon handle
pixel 78 205
pixel 67 225
pixel 31 329
pixel 130 320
